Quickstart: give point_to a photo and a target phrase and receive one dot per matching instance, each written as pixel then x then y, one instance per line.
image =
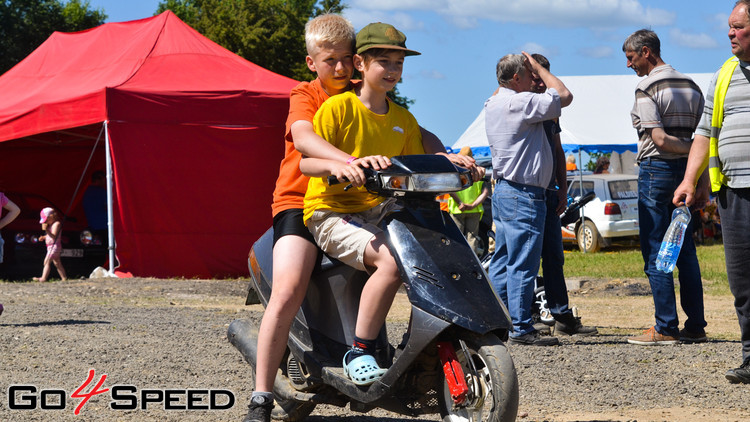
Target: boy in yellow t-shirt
pixel 363 123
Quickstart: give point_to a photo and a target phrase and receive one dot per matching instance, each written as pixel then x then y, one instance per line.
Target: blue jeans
pixel 657 182
pixel 518 212
pixel 553 259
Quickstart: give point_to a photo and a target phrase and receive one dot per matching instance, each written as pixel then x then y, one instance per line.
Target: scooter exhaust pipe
pixel 244 337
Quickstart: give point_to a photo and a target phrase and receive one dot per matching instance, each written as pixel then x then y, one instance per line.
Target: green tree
pixel 593 157
pixel 269 33
pixel 25 24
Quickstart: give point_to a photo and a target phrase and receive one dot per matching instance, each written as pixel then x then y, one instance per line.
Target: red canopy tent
pixel 195 136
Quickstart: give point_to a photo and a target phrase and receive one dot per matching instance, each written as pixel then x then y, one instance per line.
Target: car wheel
pixel 588 237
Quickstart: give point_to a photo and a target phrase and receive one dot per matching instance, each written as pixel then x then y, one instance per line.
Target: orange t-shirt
pixel 304 101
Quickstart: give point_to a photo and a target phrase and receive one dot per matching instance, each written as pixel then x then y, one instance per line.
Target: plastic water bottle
pixel 672 242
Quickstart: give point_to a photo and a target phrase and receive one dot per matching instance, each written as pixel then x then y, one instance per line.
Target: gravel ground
pixel 171 334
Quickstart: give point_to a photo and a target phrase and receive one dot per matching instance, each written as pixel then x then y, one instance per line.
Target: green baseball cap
pixel 382 35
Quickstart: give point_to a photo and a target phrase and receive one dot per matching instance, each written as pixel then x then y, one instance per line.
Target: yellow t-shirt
pixel 351 127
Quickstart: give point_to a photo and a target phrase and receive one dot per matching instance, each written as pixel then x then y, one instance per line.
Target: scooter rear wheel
pixel 288 410
pixel 493 388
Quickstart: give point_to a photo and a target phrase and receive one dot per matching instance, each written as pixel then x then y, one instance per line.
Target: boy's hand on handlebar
pixel 477 173
pixel 375 162
pixel 349 173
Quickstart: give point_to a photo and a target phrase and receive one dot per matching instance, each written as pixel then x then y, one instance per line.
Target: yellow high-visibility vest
pixel 722 85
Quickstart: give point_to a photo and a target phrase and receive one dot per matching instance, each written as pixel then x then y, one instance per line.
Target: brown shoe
pixel 651 337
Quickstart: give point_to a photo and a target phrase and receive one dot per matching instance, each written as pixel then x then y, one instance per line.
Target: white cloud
pixel 719 21
pixel 600 52
pixel 692 40
pixel 431 74
pixel 395 4
pixel 532 47
pixel 361 17
pixel 463 22
pixel 535 48
pixel 557 13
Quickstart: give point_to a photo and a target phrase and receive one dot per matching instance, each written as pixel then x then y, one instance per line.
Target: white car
pixel 612 214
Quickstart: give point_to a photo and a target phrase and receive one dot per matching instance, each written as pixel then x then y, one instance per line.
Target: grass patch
pixel 628 263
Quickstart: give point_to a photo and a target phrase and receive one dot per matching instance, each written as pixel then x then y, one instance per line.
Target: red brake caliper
pixel 454 374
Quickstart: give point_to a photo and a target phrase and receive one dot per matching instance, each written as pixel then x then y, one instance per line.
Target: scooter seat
pixel 327 263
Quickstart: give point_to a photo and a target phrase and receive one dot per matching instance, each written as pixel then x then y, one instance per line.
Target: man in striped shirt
pixel 668 106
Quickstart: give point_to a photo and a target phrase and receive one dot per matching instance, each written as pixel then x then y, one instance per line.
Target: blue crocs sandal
pixel 363 370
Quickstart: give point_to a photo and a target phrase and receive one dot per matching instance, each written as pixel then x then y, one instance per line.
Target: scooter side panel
pixel 261 274
pixel 424 329
pixel 442 274
pixel 261 266
pixel 332 302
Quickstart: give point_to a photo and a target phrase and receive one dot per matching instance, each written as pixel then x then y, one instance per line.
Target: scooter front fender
pixel 442 274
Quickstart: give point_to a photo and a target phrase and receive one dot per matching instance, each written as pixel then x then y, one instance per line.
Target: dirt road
pixel 166 337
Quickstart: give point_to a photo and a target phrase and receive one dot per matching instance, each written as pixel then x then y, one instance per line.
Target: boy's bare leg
pixel 380 289
pixel 293 262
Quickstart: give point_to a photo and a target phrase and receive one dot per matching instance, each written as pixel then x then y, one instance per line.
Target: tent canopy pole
pixel 110 212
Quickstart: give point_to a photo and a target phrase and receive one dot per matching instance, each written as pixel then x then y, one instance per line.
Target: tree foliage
pixel 25 24
pixel 594 157
pixel 269 33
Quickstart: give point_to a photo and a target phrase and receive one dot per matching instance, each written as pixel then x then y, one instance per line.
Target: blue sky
pixel 461 41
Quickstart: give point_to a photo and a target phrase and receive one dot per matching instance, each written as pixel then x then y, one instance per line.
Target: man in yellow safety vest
pixel 722 143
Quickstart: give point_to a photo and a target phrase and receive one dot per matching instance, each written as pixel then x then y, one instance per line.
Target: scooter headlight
pixel 427 182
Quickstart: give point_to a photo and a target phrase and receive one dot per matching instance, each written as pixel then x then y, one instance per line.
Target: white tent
pixel 598 120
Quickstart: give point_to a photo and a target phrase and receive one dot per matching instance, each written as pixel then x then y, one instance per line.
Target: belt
pixel 666 160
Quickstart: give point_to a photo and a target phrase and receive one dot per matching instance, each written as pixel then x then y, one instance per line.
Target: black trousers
pixel 734 210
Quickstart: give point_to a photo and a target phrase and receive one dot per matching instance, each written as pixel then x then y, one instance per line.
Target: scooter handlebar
pixel 333 180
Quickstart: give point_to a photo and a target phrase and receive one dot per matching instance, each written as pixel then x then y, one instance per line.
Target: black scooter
pixel 451 359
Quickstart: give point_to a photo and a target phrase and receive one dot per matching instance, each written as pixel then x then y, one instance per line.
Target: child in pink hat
pixel 52 226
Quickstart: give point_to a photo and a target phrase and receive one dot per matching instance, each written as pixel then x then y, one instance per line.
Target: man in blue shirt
pixel 522 162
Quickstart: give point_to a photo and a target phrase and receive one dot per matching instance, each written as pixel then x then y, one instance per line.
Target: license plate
pixel 72 253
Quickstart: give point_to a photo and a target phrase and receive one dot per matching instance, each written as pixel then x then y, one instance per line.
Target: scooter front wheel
pixel 492 381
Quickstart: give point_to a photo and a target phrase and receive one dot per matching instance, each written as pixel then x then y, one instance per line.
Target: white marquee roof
pixel 598 120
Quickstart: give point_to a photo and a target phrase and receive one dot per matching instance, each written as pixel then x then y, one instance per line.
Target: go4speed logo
pixel 122 397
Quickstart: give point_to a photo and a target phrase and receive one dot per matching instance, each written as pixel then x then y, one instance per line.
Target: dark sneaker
pixel 573 327
pixel 260 410
pixel 542 328
pixel 651 337
pixel 533 339
pixel 741 374
pixel 691 337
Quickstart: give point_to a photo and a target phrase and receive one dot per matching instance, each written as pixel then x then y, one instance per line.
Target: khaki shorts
pixel 346 236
